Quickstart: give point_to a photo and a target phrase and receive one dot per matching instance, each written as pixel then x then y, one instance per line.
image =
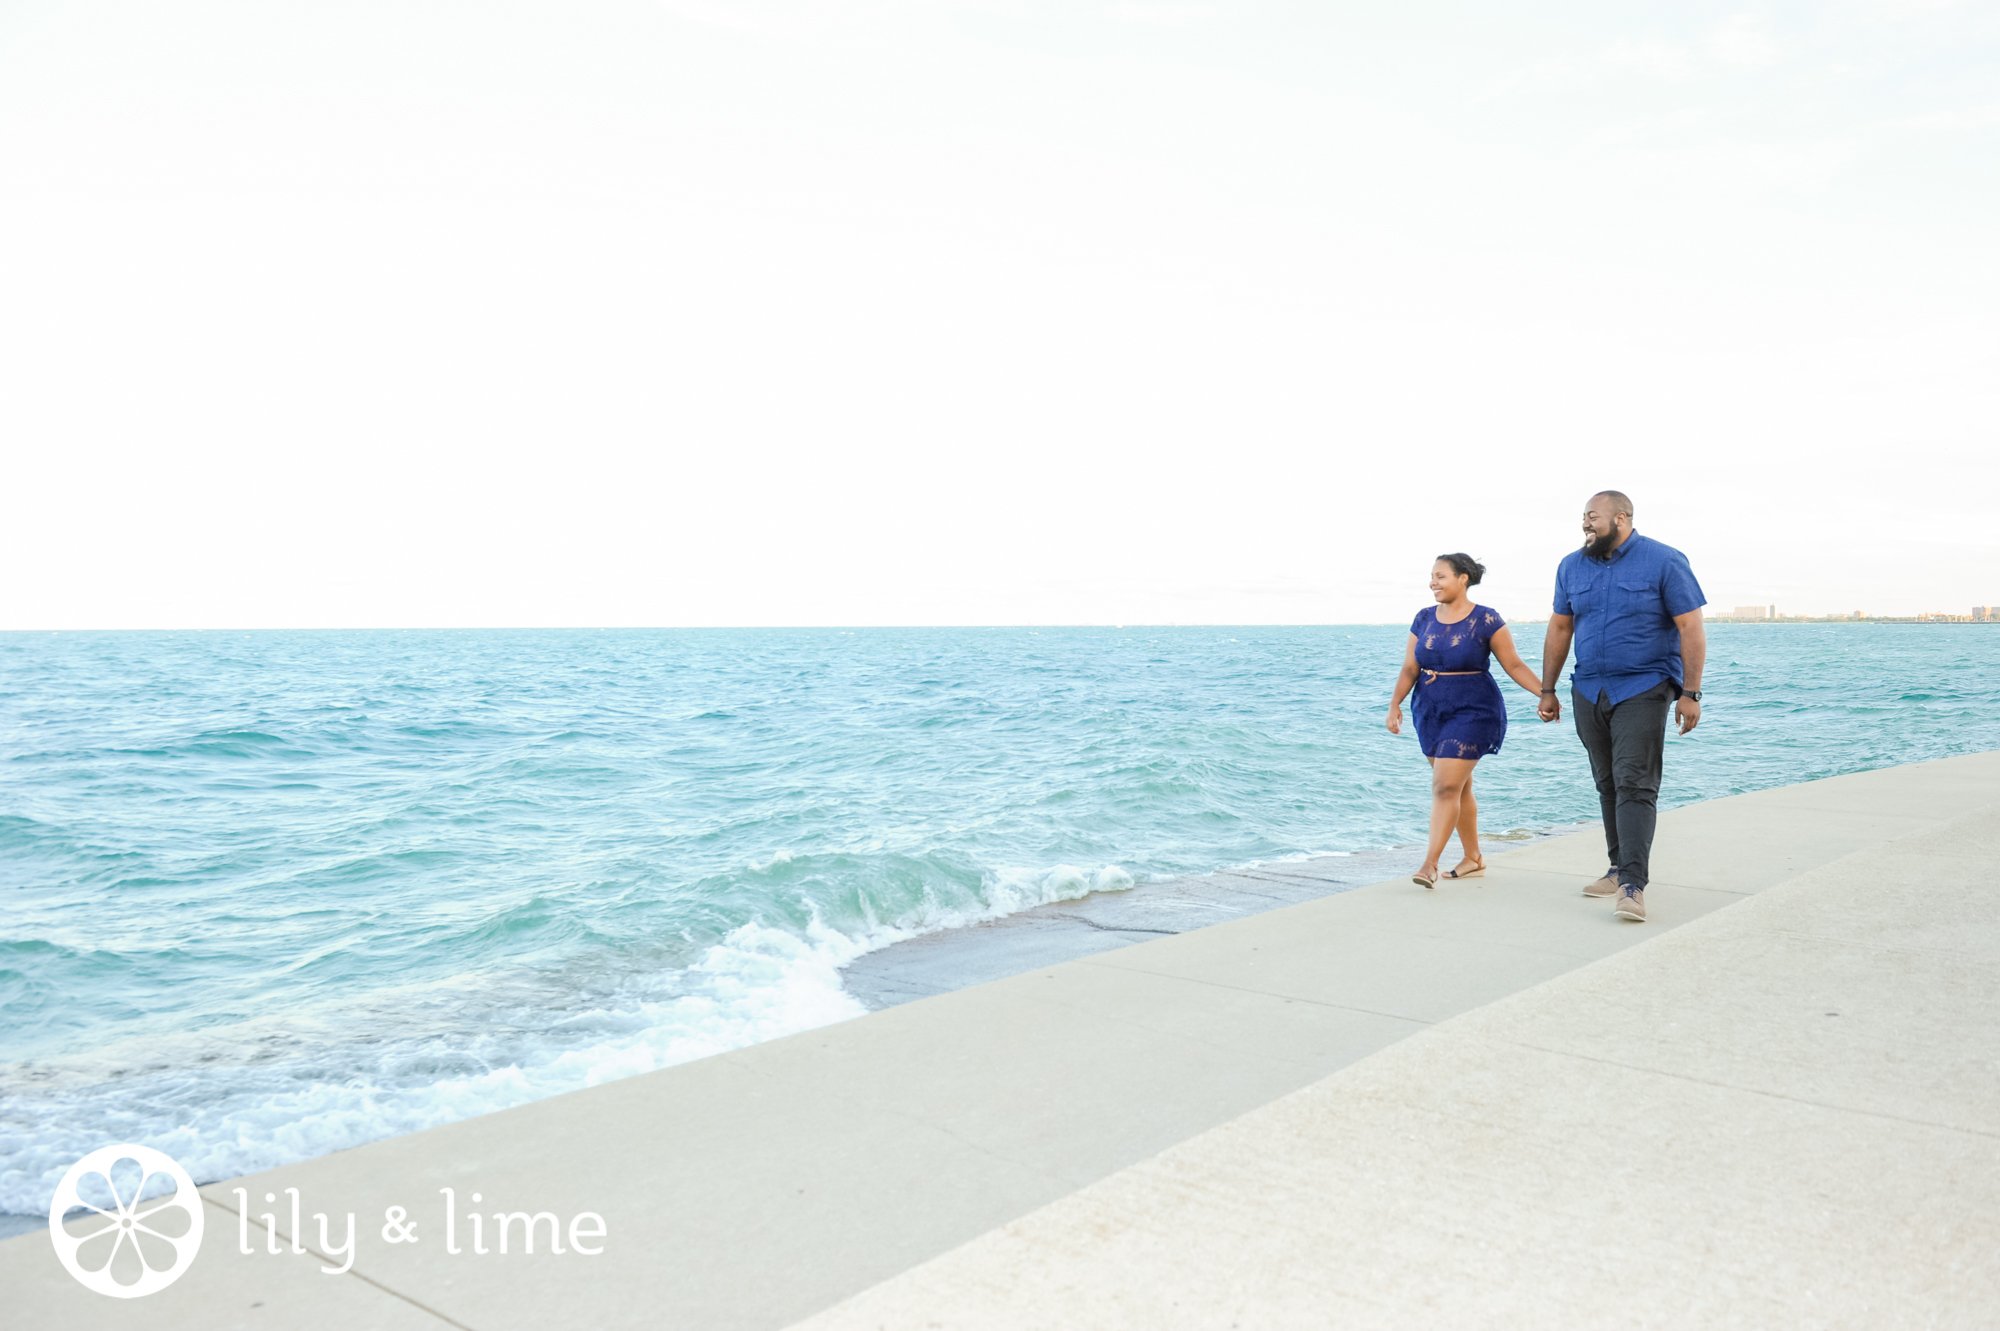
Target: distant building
pixel 1986 613
pixel 1754 612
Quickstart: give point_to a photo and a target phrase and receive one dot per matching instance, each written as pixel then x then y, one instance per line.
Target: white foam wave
pixel 335 1085
pixel 279 1089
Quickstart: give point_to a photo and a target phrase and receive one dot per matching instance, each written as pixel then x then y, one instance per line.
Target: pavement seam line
pixel 354 1270
pixel 1261 896
pixel 1245 989
pixel 1112 928
pixel 1289 879
pixel 1891 949
pixel 1099 1014
pixel 1657 882
pixel 1747 1090
pixel 1793 806
pixel 906 1116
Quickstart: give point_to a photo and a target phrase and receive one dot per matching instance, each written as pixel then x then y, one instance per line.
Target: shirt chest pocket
pixel 1633 605
pixel 1637 593
pixel 1585 597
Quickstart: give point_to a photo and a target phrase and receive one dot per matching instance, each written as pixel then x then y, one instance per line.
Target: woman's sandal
pixel 1422 881
pixel 1478 871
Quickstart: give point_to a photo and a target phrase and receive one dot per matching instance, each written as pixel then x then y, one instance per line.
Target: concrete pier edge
pixel 1772 1101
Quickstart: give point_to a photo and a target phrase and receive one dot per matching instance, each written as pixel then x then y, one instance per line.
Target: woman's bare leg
pixel 1449 778
pixel 1468 829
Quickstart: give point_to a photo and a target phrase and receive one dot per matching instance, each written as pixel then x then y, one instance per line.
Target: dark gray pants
pixel 1626 744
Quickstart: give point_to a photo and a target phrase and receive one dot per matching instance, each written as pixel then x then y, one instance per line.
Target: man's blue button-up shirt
pixel 1624 608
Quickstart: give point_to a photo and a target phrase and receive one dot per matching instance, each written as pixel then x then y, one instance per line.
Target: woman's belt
pixel 1435 673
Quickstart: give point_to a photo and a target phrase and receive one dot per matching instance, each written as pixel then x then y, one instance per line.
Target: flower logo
pixel 130 1247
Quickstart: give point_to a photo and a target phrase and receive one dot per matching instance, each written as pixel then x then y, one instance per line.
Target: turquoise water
pixel 273 894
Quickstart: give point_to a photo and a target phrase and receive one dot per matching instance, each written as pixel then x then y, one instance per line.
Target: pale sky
pixel 715 312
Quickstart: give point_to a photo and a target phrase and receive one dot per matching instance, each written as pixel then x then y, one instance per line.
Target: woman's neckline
pixel 1470 612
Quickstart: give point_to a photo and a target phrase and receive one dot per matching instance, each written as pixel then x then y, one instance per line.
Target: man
pixel 1634 609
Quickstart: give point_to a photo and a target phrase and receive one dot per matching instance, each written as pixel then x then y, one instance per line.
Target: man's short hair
pixel 1620 501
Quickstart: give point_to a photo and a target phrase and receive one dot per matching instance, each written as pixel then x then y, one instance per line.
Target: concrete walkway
pixel 1783 1114
pixel 1486 1104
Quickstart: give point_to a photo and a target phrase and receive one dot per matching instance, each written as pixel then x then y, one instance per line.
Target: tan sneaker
pixel 1631 905
pixel 1606 886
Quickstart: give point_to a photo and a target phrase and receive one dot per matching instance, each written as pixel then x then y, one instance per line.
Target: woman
pixel 1460 715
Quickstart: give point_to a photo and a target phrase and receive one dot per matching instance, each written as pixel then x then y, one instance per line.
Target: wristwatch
pixel 1694 694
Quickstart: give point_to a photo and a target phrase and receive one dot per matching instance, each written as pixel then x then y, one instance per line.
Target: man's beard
pixel 1599 546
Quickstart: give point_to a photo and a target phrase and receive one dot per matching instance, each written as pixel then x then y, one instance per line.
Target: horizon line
pixel 1921 617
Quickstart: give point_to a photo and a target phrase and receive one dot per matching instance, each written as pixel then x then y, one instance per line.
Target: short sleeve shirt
pixel 1624 609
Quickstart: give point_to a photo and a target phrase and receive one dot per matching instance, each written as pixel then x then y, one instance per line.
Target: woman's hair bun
pixel 1467 565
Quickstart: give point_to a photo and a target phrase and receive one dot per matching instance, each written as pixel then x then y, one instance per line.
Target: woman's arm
pixel 1555 651
pixel 1405 681
pixel 1511 662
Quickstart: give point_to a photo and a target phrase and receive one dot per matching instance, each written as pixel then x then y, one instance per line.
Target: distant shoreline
pixel 1907 620
pixel 879 628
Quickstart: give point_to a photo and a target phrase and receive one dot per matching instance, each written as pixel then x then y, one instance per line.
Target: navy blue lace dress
pixel 1458 715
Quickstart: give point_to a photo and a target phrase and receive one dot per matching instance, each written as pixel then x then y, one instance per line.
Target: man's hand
pixel 1395 719
pixel 1551 708
pixel 1688 712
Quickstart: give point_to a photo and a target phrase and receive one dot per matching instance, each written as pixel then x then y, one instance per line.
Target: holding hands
pixel 1551 708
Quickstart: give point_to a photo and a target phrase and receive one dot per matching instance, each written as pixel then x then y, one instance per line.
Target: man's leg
pixel 1638 741
pixel 1593 727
